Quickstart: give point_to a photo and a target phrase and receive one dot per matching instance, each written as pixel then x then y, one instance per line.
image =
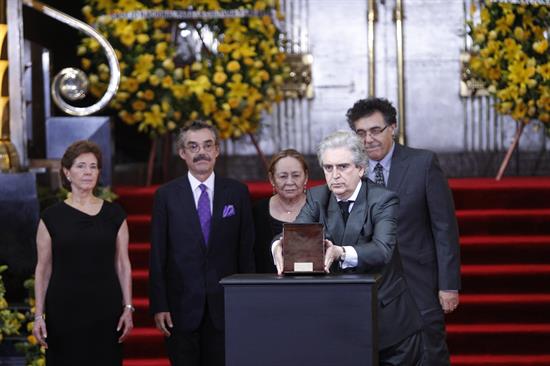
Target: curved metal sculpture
pixel 72 83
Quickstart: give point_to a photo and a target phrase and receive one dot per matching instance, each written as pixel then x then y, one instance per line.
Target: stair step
pixel 505 278
pixel 471 222
pixel 490 338
pixel 139 254
pixel 142 316
pixel 484 308
pixel 512 192
pixel 145 342
pixel 500 360
pixel 136 200
pixel 140 282
pixel 498 308
pixel 490 279
pixel 494 249
pixel 471 193
pixel 139 227
pixel 504 222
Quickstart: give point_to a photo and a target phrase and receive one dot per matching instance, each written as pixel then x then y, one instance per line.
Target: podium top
pixel 273 279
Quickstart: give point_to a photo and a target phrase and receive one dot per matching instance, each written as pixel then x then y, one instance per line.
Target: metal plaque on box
pixel 303 248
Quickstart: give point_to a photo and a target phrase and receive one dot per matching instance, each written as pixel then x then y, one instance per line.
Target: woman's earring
pixel 305 188
pixel 274 190
pixel 69 179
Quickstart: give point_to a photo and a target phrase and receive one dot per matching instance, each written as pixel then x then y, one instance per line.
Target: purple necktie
pixel 205 216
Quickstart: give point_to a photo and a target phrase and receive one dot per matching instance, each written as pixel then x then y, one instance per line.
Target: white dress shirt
pixel 209 183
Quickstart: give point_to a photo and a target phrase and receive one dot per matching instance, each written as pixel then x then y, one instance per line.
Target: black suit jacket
pixel 427 231
pixel 184 272
pixel 371 230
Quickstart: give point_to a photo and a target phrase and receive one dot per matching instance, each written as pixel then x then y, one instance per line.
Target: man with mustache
pixel 202 231
pixel 427 231
pixel 359 219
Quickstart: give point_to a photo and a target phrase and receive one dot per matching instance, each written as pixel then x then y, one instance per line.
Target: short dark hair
pixel 195 126
pixel 76 149
pixel 286 154
pixel 367 107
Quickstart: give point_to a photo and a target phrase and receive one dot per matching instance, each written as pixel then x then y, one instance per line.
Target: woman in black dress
pixel 83 282
pixel 288 174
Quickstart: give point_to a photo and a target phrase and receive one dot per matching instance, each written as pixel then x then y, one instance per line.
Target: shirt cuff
pixel 278 241
pixel 351 258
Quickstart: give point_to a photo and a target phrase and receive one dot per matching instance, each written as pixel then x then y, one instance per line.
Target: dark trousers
pixel 202 347
pixel 436 352
pixel 408 352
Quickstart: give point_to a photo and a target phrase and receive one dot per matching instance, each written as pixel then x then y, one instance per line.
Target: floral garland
pixel 235 77
pixel 14 322
pixel 10 320
pixel 35 354
pixel 511 56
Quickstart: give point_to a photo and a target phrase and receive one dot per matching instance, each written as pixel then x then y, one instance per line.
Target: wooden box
pixel 303 248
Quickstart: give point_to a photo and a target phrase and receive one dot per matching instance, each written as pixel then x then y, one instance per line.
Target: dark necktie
pixel 379 174
pixel 344 209
pixel 205 215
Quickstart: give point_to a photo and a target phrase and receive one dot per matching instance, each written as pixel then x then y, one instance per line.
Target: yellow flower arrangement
pixel 34 353
pixel 10 320
pixel 511 55
pixel 230 84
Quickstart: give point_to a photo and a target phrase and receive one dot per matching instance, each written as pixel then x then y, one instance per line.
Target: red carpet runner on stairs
pixel 504 316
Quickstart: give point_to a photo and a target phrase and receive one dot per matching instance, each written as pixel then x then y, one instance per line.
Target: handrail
pixel 71 73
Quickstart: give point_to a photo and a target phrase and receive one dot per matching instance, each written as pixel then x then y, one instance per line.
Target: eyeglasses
pixel 208 146
pixel 375 131
pixel 339 167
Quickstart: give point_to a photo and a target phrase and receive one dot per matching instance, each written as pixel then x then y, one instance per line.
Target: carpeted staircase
pixel 504 316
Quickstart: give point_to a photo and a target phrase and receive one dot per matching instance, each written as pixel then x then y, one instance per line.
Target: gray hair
pixel 349 140
pixel 195 126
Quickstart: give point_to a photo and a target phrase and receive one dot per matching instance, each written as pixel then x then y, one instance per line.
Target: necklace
pixel 292 209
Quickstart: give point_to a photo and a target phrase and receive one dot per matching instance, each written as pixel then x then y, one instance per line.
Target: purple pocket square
pixel 228 210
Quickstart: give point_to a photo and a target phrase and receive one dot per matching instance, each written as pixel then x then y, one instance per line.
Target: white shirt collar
pixel 209 182
pixel 353 197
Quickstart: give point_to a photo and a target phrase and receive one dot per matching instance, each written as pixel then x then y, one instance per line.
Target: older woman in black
pixel 83 278
pixel 288 174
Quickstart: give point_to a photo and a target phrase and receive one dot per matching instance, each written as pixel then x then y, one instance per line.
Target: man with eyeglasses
pixel 202 231
pixel 359 217
pixel 427 231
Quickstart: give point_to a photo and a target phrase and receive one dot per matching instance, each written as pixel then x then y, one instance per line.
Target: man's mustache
pixel 200 157
pixel 372 146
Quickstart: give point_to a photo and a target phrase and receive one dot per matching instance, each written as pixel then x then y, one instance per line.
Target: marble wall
pixel 437 118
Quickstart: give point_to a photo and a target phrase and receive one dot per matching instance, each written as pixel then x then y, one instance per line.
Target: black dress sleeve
pixel 116 213
pixel 49 217
pixel 264 235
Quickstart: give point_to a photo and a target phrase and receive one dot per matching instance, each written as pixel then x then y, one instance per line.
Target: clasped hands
pixel 332 253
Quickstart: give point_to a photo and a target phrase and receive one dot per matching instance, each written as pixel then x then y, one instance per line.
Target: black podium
pixel 300 320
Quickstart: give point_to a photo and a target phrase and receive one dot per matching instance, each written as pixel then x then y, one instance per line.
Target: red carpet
pixel 504 316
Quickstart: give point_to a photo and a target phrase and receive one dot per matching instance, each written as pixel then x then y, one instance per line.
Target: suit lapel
pixel 220 197
pixel 187 204
pixel 335 221
pixel 356 217
pixel 398 168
